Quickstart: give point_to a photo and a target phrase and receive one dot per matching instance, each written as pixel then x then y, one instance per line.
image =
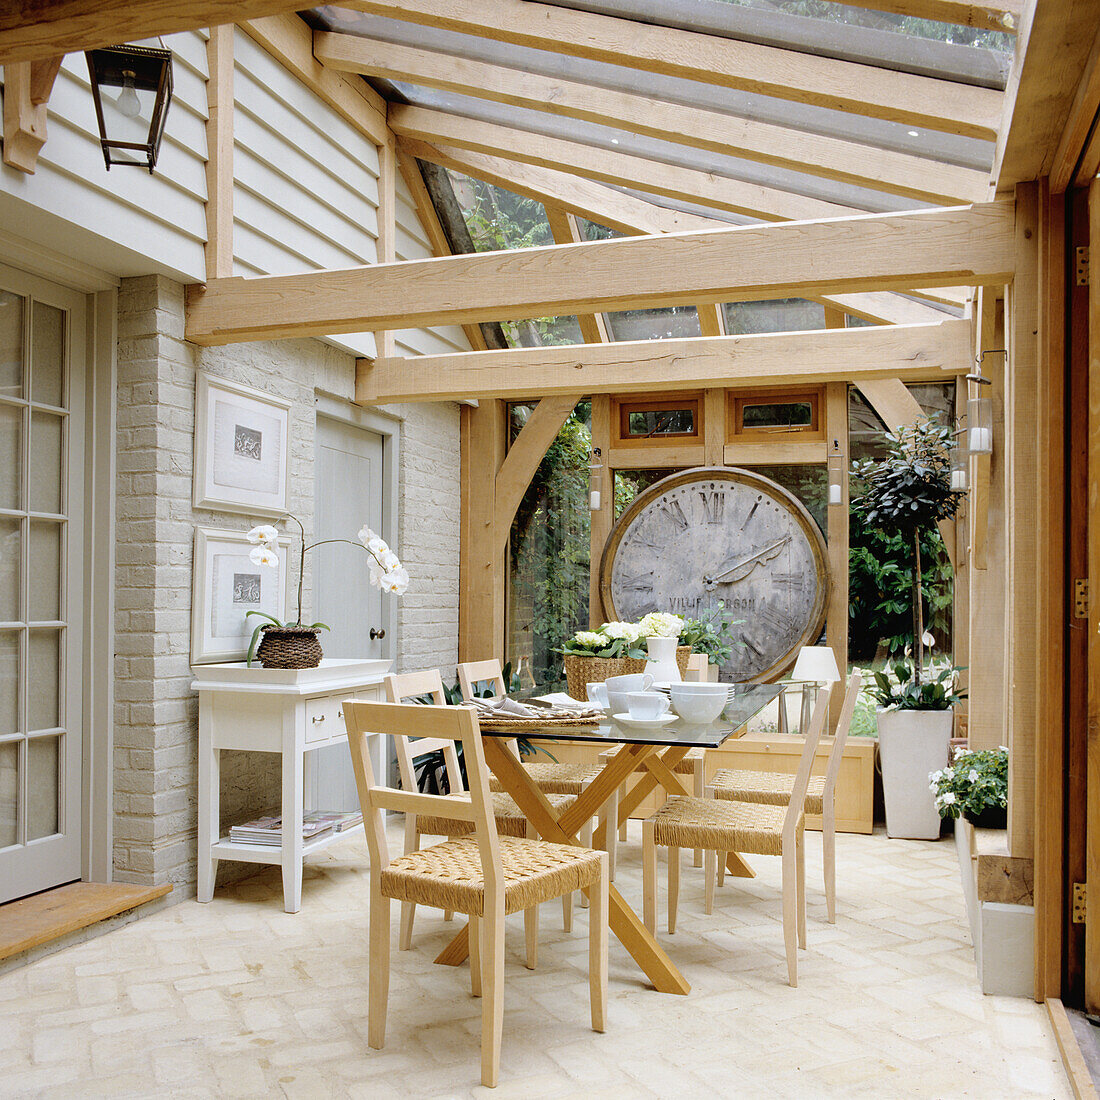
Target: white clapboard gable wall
pixel 305 194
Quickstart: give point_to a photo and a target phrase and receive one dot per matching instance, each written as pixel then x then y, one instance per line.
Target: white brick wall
pixel 156 712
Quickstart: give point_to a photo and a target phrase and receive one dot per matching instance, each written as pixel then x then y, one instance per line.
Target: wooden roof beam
pixel 835 355
pixel 814 154
pixel 765 70
pixel 609 166
pixel 956 245
pixel 33 30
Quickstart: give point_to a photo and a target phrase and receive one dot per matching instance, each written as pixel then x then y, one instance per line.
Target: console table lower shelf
pixel 291 712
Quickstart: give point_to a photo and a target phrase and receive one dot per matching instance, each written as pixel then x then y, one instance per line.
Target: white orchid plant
pixel 386 570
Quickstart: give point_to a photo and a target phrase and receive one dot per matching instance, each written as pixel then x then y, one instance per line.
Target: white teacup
pixel 646 705
pixel 597 694
pixel 636 681
pixel 697 707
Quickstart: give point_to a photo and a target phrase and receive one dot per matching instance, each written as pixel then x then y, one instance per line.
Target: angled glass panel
pixel 660 323
pixel 537 332
pixel 499 219
pixel 779 315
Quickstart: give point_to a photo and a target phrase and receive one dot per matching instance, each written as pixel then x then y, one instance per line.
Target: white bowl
pixel 691 688
pixel 696 708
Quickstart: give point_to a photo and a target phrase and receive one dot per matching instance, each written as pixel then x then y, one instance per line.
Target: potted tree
pixel 909 490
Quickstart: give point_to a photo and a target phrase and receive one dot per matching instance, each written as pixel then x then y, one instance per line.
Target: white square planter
pixel 912 743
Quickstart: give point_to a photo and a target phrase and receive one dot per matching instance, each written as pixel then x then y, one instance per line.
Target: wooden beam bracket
pixel 27 87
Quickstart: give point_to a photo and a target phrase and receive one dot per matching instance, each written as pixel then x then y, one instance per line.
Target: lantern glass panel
pixel 979 425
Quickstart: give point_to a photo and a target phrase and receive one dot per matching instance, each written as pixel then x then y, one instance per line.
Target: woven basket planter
pixel 683 652
pixel 587 670
pixel 289 647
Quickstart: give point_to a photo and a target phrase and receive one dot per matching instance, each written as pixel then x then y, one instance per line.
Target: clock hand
pixel 734 573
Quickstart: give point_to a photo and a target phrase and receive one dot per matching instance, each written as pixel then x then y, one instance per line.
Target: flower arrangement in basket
pixel 295 644
pixel 975 786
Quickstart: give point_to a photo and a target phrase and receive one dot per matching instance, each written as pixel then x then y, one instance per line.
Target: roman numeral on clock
pixel 776 619
pixel 638 582
pixel 714 504
pixel 788 580
pixel 675 512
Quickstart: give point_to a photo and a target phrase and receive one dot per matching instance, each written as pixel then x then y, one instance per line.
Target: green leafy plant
pixel 909 491
pixel 712 634
pixel 611 640
pixel 977 781
pixel 900 688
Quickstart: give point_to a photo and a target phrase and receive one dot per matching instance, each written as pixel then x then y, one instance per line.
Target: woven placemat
pixel 505 725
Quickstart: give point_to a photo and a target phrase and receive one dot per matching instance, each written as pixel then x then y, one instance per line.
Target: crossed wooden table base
pixel 658 762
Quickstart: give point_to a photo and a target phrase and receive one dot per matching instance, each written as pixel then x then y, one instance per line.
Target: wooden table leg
pixel 623 921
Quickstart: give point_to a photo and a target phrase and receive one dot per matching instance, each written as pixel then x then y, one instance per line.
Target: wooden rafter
pixel 815 154
pixel 608 166
pixel 766 70
pixel 644 366
pixel 962 245
pixel 27 87
pixel 629 214
pixel 31 30
pixel 1079 128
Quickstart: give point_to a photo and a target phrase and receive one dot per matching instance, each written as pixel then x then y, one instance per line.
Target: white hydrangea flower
pixel 261 555
pixel 661 625
pixel 591 638
pixel 263 535
pixel 628 632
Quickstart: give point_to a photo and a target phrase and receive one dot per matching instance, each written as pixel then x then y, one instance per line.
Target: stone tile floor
pixel 238 999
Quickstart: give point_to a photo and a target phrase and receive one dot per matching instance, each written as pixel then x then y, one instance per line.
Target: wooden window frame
pixel 736 401
pixel 622 407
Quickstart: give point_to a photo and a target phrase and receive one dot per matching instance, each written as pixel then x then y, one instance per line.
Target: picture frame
pixel 226 585
pixel 242 443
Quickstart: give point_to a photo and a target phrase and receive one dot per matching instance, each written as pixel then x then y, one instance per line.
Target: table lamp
pixel 816 665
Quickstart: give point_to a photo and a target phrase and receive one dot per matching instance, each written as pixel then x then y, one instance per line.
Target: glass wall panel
pixel 43 703
pixel 9 793
pixel 43 786
pixel 11 456
pixel 662 323
pixel 9 682
pixel 48 327
pixel 45 464
pixel 11 344
pixel 629 483
pixel 45 572
pixel 779 315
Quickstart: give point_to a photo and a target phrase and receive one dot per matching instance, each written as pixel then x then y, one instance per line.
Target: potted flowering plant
pixel 662 634
pixel 294 644
pixel 613 650
pixel 975 786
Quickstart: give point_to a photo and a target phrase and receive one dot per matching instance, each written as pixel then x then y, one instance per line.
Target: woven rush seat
pixel 721 826
pixel 448 875
pixel 556 778
pixel 510 819
pixel 772 788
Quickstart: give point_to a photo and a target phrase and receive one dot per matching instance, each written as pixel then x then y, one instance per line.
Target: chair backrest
pixel 472 673
pixel 697 666
pixel 405 686
pixel 851 697
pixel 451 724
pixel 806 763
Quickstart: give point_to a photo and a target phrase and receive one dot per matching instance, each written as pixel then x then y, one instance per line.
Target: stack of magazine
pixel 315 823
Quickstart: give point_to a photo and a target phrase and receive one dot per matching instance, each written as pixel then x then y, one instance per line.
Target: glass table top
pixel 748 700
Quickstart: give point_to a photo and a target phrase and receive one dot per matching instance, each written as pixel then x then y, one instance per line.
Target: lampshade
pixel 816 663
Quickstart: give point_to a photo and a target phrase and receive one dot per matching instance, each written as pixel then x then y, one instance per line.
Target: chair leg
pixel 622 828
pixel 585 835
pixel 597 947
pixel 721 868
pixel 531 931
pixel 474 937
pixel 408 908
pixel 790 912
pixel 378 981
pixel 673 887
pixel 710 870
pixel 800 853
pixel 492 1008
pixel 649 876
pixel 699 790
pixel 608 818
pixel 828 848
pixel 567 912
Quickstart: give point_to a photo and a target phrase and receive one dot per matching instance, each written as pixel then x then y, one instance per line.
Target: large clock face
pixel 720 534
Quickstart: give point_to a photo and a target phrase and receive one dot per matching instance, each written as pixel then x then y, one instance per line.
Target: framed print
pixel 226 587
pixel 241 448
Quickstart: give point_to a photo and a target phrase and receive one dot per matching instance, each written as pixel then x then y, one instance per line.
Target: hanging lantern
pixel 960 463
pixel 132 87
pixel 979 412
pixel 836 474
pixel 595 479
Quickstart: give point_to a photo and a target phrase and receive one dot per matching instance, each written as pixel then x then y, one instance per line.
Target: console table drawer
pixel 324 719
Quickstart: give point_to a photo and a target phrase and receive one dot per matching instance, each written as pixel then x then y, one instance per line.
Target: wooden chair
pixel 720 826
pixel 550 778
pixel 774 788
pixel 484 875
pixel 510 820
pixel 693 764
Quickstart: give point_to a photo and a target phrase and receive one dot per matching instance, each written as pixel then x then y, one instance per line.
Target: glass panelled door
pixel 42 340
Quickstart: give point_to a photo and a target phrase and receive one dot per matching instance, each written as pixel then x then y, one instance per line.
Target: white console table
pixel 288 711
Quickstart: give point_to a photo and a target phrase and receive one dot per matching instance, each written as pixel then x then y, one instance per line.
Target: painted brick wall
pixel 156 712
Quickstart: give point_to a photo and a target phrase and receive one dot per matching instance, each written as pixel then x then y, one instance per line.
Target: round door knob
pixel 376 633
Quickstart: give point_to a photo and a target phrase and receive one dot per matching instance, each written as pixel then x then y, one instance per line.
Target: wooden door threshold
pixel 42 918
pixel 1077 1042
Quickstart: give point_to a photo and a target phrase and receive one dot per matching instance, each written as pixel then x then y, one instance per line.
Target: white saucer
pixel 644 723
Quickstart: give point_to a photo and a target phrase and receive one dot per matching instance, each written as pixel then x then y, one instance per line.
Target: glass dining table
pixel 653 751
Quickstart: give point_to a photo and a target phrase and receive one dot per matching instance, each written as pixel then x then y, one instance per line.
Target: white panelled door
pixel 347 494
pixel 42 342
